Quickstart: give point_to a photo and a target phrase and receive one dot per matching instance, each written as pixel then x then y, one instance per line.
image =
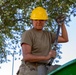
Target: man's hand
pixel 60 19
pixel 52 54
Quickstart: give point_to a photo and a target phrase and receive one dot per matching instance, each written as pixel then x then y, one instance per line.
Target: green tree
pixel 14 19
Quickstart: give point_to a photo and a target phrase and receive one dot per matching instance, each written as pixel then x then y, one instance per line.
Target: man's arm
pixel 28 57
pixel 64 36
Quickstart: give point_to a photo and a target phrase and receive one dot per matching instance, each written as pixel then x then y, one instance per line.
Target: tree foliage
pixel 14 19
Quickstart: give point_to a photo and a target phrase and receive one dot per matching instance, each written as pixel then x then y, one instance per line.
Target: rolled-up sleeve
pixel 26 38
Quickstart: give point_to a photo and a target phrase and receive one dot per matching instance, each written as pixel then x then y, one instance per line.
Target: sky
pixel 68 49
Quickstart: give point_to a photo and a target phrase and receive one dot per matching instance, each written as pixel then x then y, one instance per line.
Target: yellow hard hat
pixel 39 13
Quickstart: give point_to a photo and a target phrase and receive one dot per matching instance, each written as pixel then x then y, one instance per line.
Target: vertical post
pixel 13 63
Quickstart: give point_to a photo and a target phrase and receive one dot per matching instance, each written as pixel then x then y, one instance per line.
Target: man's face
pixel 38 24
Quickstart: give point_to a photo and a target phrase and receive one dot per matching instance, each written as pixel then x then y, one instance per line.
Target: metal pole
pixel 55 45
pixel 13 63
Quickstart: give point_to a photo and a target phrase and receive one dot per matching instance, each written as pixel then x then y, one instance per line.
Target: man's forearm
pixel 34 58
pixel 64 32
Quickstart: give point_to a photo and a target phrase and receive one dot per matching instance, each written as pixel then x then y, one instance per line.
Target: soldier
pixel 36 45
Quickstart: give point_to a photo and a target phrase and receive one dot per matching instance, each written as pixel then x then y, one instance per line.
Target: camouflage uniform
pixel 27 69
pixel 35 69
